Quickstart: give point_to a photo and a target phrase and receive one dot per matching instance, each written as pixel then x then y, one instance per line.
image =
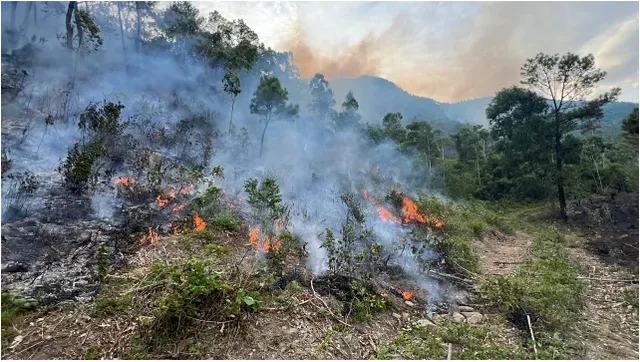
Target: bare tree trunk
pixel 70 9
pixel 138 26
pixel 80 30
pixel 124 48
pixel 233 102
pixel 264 131
pixel 559 176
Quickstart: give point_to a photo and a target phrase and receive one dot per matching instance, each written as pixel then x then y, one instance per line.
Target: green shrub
pixel 225 220
pixel 631 296
pixel 78 168
pixel 113 305
pixel 13 306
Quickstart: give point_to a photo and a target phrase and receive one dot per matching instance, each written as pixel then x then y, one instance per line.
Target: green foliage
pixel 92 352
pixel 630 128
pixel 265 196
pixel 322 101
pixel 431 343
pixel 225 220
pixel 78 168
pixel 193 288
pixel 270 102
pixel 546 288
pixel 113 305
pixel 90 26
pixel 13 306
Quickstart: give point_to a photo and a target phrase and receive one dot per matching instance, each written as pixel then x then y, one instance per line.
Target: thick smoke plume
pixel 482 52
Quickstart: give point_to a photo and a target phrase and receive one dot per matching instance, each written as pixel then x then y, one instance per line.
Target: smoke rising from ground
pixel 312 165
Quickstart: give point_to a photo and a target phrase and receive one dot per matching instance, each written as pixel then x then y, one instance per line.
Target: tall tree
pixel 231 84
pixel 349 116
pixel 566 81
pixel 69 25
pixel 630 128
pixel 270 102
pixel 392 124
pixel 322 100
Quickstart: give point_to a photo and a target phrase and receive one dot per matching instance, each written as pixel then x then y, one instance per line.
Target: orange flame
pixel 198 223
pixel 126 181
pixel 267 245
pixel 410 212
pixel 178 208
pixel 253 236
pixel 385 215
pixel 175 229
pixel 407 295
pixel 161 202
pixel 150 238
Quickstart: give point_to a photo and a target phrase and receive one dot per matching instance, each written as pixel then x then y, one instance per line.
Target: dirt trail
pixel 501 254
pixel 608 327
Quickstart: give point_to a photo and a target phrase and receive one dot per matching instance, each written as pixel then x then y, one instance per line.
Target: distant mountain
pixel 378 96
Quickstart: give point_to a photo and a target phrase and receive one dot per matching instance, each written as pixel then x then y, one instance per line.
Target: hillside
pixel 447 116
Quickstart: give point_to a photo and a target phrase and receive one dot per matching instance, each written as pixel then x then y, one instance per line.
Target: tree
pixel 349 116
pixel 566 81
pixel 231 83
pixel 468 144
pixel 392 124
pixel 630 128
pixel 322 101
pixel 270 102
pixel 422 137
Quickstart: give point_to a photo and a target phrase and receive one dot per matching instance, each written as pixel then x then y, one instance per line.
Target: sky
pixel 448 51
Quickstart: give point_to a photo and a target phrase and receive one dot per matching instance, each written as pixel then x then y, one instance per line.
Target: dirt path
pixel 501 254
pixel 608 327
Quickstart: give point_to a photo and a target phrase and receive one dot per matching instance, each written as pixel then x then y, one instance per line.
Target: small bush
pixel 113 305
pixel 631 296
pixel 13 306
pixel 225 220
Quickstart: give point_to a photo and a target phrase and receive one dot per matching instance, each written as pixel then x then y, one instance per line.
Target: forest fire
pixel 125 181
pixel 385 215
pixel 407 295
pixel 178 208
pixel 161 201
pixel 174 229
pixel 199 223
pixel 149 238
pixel 264 246
pixel 410 212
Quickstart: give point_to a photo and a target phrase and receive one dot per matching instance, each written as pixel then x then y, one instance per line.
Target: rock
pixel 396 315
pixel 474 318
pixel 465 308
pixel 425 323
pixel 457 318
pixel 406 315
pixel 409 303
pixel 15 267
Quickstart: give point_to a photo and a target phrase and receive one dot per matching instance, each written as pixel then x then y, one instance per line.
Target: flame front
pixel 385 215
pixel 149 238
pixel 263 246
pixel 410 212
pixel 125 181
pixel 407 295
pixel 198 223
pixel 177 208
